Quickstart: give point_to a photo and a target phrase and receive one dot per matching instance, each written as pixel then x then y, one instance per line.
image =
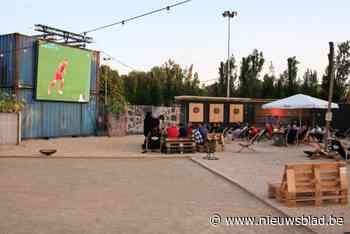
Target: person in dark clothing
pixel 147 124
pixel 147 127
pixel 183 131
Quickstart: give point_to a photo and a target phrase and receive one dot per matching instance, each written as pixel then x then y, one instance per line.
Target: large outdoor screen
pixel 63 73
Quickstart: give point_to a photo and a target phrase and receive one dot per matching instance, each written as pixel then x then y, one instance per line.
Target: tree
pixel 223 73
pixel 111 89
pixel 268 86
pixel 251 66
pixel 342 72
pixel 310 83
pixel 292 83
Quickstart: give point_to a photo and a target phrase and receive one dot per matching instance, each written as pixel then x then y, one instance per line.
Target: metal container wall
pixel 43 119
pixel 7 59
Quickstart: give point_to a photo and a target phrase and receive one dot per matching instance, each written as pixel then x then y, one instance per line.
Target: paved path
pixel 121 196
pixel 252 170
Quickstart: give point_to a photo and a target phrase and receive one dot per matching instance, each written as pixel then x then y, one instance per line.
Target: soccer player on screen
pixel 61 70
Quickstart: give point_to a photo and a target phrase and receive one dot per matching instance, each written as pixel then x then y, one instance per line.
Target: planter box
pixel 117 125
pixel 10 128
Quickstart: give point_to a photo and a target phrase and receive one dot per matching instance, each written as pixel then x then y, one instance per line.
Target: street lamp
pixel 229 15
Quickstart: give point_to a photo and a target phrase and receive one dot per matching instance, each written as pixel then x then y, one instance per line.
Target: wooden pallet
pixel 180 145
pixel 311 184
pixel 219 139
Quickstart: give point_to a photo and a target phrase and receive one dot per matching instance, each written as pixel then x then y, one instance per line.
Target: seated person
pixel 197 136
pixel 253 131
pixel 182 131
pixel 172 131
pixel 204 132
pixel 189 129
pixel 292 134
pixel 269 129
pixel 214 128
pixel 338 146
pixel 317 133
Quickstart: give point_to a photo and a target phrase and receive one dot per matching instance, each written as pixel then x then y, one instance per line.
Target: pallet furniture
pixel 311 184
pixel 219 139
pixel 179 145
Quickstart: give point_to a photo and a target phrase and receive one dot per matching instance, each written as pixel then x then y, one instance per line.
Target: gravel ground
pixel 120 196
pixel 252 170
pixel 129 146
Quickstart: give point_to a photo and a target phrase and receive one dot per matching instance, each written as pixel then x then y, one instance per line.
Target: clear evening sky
pixel 194 33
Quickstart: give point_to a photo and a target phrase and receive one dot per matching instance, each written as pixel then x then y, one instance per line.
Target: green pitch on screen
pixel 63 73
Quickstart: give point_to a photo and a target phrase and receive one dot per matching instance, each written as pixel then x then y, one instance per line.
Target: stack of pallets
pixel 311 184
pixel 180 145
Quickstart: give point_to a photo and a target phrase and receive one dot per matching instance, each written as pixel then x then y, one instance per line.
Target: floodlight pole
pixel 106 80
pixel 330 94
pixel 229 15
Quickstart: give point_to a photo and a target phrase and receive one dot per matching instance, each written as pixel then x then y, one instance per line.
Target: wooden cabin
pixel 227 111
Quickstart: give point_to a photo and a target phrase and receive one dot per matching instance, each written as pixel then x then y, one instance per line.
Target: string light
pixel 122 22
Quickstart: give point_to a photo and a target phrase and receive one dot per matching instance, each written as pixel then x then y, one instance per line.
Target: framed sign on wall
pixel 196 112
pixel 236 113
pixel 216 114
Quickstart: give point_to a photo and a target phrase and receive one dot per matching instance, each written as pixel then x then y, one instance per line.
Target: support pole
pixel 228 57
pixel 330 94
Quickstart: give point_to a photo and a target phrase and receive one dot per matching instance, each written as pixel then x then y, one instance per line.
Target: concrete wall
pixel 10 128
pixel 136 115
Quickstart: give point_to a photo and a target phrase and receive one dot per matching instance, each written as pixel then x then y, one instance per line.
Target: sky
pixel 193 33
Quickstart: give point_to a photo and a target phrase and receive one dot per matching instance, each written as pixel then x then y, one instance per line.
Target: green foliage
pixel 9 104
pixel 161 84
pixel 310 84
pixel 342 73
pixel 251 66
pixel 292 83
pixel 112 90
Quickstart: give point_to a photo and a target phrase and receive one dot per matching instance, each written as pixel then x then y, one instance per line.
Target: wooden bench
pixel 311 184
pixel 179 145
pixel 219 139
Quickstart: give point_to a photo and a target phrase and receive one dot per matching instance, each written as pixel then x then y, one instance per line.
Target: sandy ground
pixel 95 184
pixel 65 195
pixel 129 146
pixel 252 170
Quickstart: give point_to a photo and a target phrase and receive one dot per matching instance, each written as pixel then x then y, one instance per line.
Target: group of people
pixel 155 129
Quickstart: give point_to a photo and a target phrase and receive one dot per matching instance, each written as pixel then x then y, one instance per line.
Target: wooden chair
pixel 179 145
pixel 311 184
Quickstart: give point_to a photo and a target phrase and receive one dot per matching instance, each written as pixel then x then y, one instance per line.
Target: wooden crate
pixel 181 145
pixel 312 184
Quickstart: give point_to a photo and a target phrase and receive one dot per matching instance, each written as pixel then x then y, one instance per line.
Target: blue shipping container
pixel 40 119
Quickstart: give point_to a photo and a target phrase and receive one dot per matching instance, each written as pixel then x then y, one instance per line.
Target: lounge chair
pixel 252 141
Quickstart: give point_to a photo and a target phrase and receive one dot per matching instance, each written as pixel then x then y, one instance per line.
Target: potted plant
pixel 10 119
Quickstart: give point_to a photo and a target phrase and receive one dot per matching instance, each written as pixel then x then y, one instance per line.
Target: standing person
pixel 162 125
pixel 147 127
pixel 61 70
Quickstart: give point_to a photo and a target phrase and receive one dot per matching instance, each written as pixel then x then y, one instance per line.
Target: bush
pixel 9 104
pixel 116 106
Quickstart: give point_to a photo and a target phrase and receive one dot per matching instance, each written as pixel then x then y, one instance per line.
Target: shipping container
pixel 44 119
